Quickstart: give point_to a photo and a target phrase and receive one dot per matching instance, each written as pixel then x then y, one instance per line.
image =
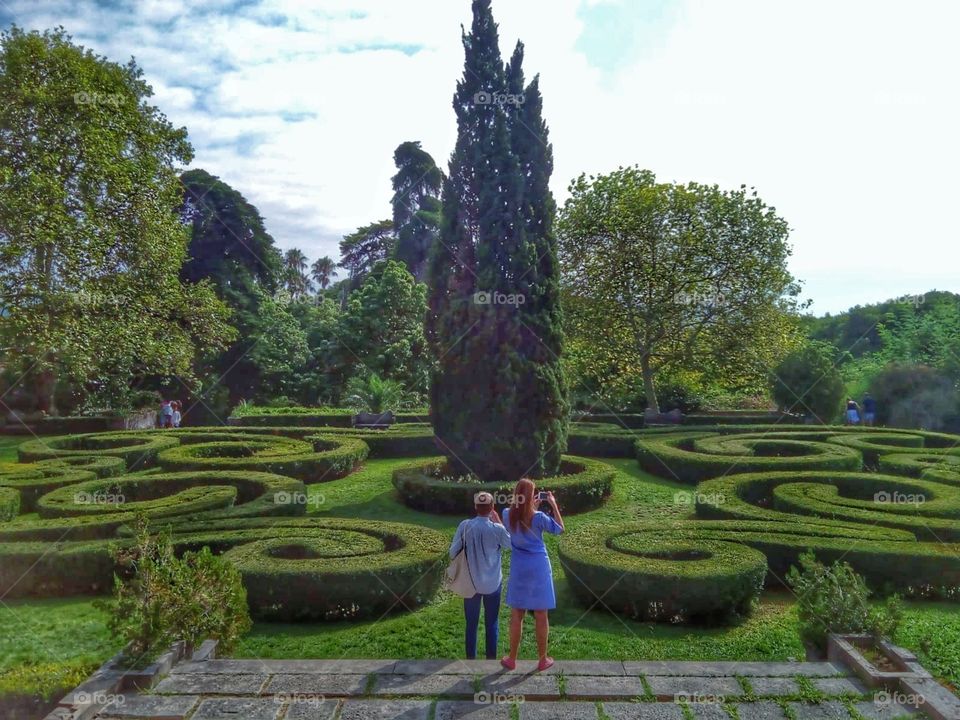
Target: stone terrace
pixel 482 690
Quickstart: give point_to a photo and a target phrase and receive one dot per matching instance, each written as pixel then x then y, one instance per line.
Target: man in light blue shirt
pixel 485 539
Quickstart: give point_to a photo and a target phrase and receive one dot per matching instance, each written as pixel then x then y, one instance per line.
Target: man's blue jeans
pixel 491 612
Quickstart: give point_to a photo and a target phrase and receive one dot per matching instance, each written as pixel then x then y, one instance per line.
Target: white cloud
pixel 843 115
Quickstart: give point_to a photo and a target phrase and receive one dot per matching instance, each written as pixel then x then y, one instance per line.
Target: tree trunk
pixel 651 393
pixel 43 389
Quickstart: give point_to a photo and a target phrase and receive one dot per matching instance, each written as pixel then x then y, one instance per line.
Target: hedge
pixel 314 460
pixel 311 417
pixel 928 509
pixel 582 485
pixel 917 464
pixel 666 573
pixel 138 449
pixel 691 457
pixel 9 503
pixel 599 440
pixel 334 569
pixel 411 440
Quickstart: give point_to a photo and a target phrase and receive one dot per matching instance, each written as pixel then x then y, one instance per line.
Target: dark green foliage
pixel 361 250
pixel 416 206
pixel 807 382
pixel 834 599
pixel 911 396
pixel 662 574
pixel 167 599
pixel 9 503
pixel 498 395
pixel 383 333
pixel 581 485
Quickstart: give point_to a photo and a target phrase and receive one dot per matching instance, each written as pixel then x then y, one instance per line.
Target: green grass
pixel 8 448
pixel 73 633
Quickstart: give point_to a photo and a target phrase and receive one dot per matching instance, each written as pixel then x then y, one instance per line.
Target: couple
pixel 530 586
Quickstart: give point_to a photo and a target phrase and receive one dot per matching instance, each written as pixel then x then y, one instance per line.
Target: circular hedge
pixel 582 485
pixel 137 449
pixel 662 574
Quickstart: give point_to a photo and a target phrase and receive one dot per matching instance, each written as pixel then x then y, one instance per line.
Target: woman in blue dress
pixel 530 586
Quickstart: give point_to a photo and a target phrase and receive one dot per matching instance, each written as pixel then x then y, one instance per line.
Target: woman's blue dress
pixel 530 585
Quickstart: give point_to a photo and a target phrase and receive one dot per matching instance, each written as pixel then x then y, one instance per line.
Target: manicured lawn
pixel 72 634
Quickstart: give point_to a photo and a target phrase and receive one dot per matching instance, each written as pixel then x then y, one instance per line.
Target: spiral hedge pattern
pixel 887 502
pixel 243 493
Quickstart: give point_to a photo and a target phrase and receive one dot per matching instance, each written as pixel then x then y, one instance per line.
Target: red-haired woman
pixel 530 586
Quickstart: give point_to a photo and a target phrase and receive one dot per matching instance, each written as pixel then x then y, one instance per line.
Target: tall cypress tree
pixel 498 396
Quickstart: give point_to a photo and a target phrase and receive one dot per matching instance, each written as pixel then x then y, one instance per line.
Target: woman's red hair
pixel 521 505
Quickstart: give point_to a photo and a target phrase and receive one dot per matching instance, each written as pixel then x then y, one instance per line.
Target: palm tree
pixel 297 281
pixel 322 272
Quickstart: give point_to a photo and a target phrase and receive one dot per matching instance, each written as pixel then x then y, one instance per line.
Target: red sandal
pixel 544 664
pixel 508 663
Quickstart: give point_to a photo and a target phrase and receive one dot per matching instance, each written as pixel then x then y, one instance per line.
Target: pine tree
pixel 416 206
pixel 498 396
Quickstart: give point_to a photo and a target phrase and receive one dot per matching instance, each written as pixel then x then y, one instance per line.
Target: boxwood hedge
pixel 582 485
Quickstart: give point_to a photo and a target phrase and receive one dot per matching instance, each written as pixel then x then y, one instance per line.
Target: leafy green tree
pixel 416 206
pixel 670 277
pixel 361 250
pixel 808 382
pixel 498 394
pixel 322 272
pixel 320 380
pixel 914 396
pixel 90 242
pixel 295 274
pixel 382 329
pixel 230 248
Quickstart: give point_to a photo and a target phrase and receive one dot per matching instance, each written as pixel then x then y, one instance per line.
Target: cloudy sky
pixel 842 113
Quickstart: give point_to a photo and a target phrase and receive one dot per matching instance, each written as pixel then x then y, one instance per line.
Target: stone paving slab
pixel 530 687
pixel 582 687
pixel 558 711
pixel 709 711
pixel 211 684
pixel 312 709
pixel 385 710
pixel 840 686
pixel 643 711
pixel 155 707
pixel 336 685
pixel 286 667
pixel 773 686
pixel 524 667
pixel 760 710
pixel 448 710
pixel 669 688
pixel 832 710
pixel 462 685
pixel 884 711
pixel 715 669
pixel 236 708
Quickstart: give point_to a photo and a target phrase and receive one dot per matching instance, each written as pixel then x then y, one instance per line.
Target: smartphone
pixel 542 496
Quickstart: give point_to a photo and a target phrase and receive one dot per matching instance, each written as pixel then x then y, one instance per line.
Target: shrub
pixel 374 394
pixel 167 599
pixel 913 396
pixel 807 382
pixel 582 485
pixel 658 573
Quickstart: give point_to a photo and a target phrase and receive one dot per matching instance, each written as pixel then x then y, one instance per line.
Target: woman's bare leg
pixel 516 627
pixel 543 631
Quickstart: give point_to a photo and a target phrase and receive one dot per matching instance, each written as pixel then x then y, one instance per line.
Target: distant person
pixel 166 414
pixel 485 538
pixel 869 410
pixel 530 586
pixel 176 417
pixel 853 412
